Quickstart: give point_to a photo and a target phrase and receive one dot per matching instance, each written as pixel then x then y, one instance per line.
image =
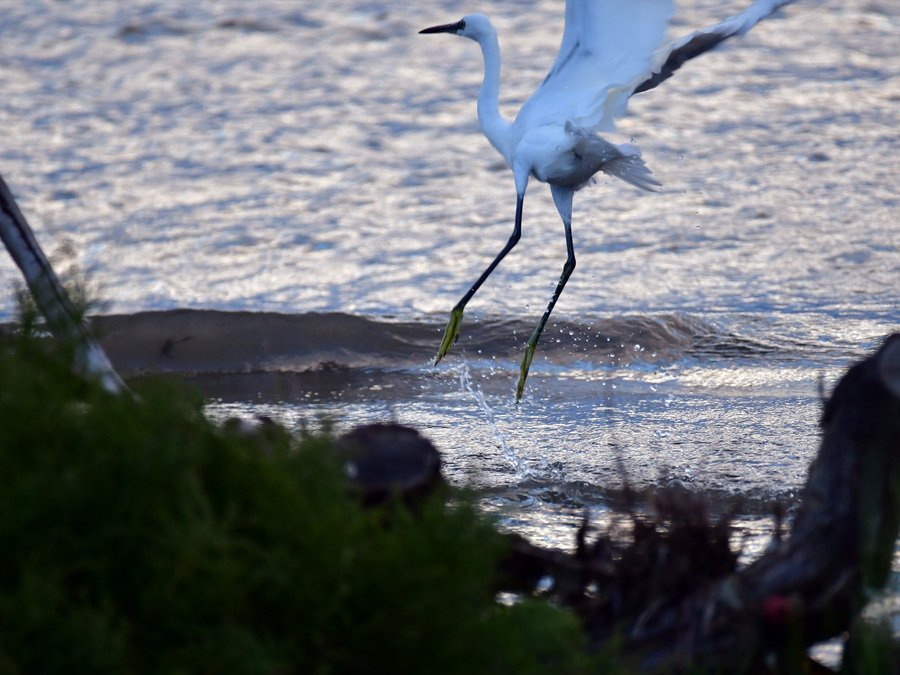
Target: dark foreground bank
pixel 139 537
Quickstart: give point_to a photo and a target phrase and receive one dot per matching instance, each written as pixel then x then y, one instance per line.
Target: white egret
pixel 611 50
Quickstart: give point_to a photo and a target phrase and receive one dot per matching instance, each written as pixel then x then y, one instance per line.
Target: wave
pixel 194 341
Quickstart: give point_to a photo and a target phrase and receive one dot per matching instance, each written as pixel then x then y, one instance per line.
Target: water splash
pixel 543 471
pixel 509 452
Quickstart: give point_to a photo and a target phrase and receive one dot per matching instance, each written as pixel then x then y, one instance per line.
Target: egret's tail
pixel 631 169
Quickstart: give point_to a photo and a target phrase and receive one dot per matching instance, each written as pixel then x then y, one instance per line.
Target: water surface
pixel 281 201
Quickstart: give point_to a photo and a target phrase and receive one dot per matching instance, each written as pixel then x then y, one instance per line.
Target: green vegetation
pixel 138 537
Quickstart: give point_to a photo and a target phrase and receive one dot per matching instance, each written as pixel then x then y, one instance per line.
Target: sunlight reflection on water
pixel 296 158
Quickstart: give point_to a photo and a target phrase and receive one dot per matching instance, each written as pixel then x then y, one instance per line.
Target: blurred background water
pixel 321 162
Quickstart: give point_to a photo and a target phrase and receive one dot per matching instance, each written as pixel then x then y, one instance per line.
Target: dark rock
pixel 389 460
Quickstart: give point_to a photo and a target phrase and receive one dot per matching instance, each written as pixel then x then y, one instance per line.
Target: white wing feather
pixel 606 45
pixel 739 23
pixel 611 50
pixel 671 58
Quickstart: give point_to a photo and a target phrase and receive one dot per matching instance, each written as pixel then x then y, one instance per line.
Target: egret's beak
pixel 446 28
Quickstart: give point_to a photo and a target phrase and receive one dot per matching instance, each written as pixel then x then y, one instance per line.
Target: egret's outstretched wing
pixel 610 51
pixel 702 41
pixel 606 44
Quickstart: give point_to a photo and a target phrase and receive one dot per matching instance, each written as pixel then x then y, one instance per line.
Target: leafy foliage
pixel 138 537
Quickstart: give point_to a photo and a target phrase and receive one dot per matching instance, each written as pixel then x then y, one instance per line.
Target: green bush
pixel 138 537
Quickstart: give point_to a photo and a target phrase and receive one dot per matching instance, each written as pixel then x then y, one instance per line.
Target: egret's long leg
pixel 451 333
pixel 563 199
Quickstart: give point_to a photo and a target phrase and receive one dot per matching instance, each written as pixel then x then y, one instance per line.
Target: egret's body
pixel 611 49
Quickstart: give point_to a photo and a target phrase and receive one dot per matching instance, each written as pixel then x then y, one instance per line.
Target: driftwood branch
pixel 672 593
pixel 50 296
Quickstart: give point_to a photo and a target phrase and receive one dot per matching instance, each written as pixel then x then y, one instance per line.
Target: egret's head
pixel 473 26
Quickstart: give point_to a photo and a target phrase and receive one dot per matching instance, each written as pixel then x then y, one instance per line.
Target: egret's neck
pixel 491 121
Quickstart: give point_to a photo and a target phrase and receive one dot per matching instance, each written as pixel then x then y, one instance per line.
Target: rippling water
pixel 321 162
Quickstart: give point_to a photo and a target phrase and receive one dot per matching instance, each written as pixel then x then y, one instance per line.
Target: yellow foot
pixel 451 334
pixel 523 370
